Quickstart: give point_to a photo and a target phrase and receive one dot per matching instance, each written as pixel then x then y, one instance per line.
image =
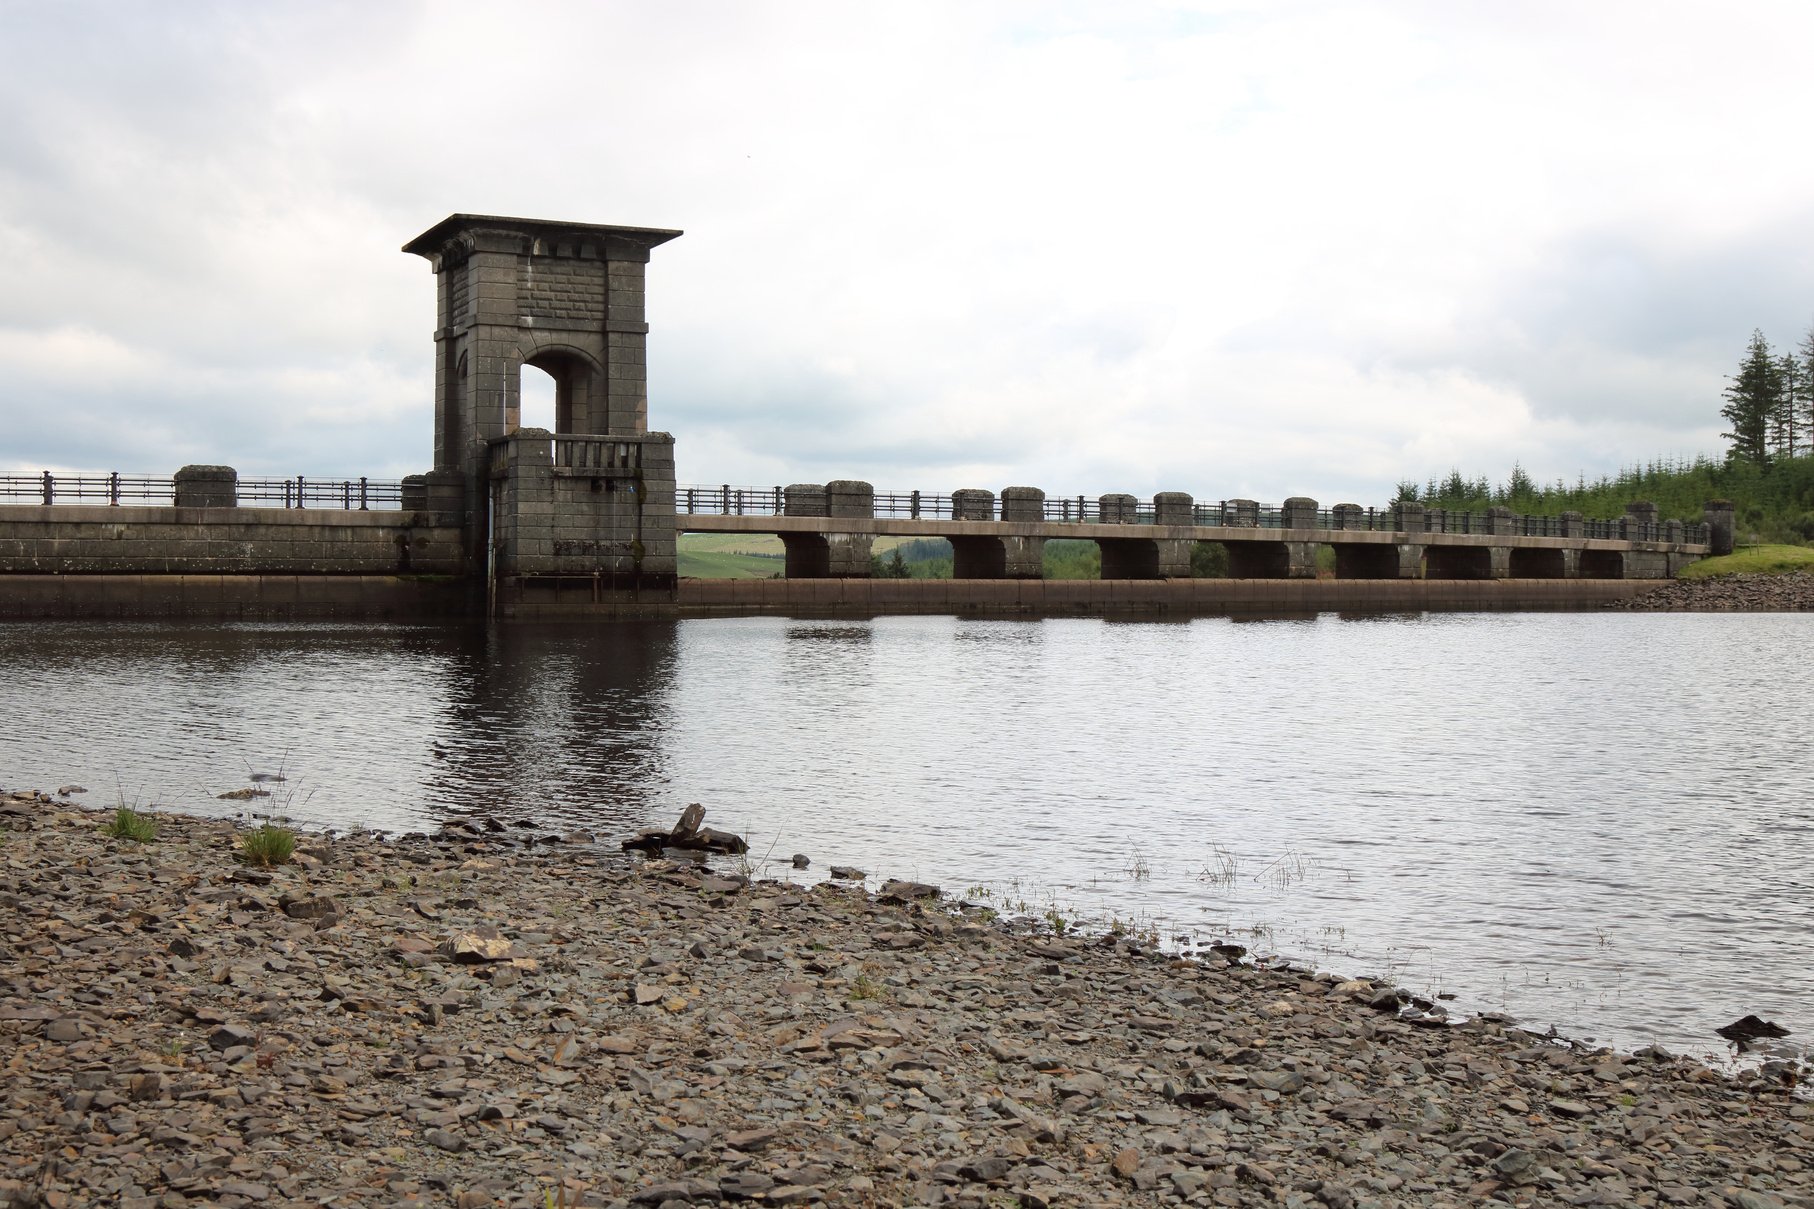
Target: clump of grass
pixel 267 845
pixel 865 987
pixel 129 824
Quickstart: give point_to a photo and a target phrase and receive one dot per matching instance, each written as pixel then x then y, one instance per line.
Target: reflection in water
pixel 1583 819
pixel 389 726
pixel 569 731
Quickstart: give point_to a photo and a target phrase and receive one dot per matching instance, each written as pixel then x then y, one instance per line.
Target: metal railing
pixel 368 494
pixel 728 500
pixel 46 488
pixel 352 495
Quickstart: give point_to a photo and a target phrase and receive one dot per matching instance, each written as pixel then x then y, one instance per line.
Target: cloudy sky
pixel 1254 249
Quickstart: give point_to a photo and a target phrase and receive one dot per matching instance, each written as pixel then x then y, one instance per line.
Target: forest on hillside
pixel 1767 473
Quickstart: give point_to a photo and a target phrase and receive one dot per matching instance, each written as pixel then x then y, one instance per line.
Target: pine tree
pixel 1805 372
pixel 1788 406
pixel 1751 401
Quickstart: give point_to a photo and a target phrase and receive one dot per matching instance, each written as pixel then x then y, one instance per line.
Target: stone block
pixel 972 504
pixel 849 498
pixel 1299 512
pixel 1023 504
pixel 804 499
pixel 1116 509
pixel 207 487
pixel 1174 508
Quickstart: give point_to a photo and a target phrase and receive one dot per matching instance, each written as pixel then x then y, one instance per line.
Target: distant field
pixel 741 555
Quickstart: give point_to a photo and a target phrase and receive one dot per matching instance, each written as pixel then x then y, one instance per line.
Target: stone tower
pixel 585 510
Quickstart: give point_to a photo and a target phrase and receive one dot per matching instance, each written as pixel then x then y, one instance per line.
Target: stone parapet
pixel 849 497
pixel 226 541
pixel 972 504
pixel 1299 512
pixel 1026 504
pixel 1718 517
pixel 804 499
pixel 1117 509
pixel 206 487
pixel 1174 508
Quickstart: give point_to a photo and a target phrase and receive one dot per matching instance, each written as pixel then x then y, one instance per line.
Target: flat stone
pixel 478 946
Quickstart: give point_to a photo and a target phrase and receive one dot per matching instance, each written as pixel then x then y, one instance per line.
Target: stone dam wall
pixel 82 540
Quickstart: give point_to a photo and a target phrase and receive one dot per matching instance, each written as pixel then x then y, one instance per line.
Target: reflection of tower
pixel 585 514
pixel 561 724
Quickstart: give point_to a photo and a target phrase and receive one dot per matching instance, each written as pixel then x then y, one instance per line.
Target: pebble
pixel 463 1023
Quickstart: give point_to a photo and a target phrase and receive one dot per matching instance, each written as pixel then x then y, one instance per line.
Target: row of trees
pixel 1770 402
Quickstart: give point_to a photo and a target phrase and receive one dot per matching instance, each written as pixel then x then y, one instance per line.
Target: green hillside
pixel 1774 502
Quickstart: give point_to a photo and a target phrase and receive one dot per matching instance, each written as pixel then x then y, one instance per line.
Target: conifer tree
pixel 1786 422
pixel 1752 400
pixel 1804 370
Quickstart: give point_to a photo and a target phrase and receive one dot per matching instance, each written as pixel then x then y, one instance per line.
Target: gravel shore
pixel 1726 594
pixel 460 1021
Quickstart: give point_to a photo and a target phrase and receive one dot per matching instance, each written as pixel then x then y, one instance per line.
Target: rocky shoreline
pixel 1751 593
pixel 459 1021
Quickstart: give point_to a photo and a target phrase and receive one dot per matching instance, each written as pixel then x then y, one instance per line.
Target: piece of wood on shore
pixel 686 834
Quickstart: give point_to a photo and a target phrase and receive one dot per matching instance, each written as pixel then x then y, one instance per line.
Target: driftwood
pixel 687 835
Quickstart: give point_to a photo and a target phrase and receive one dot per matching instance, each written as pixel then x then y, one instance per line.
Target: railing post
pixel 299 493
pixel 113 489
pixel 724 499
pixel 362 501
pixel 50 490
pixel 913 506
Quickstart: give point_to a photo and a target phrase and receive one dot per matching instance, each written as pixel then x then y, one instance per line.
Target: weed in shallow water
pixel 1137 868
pixel 1221 869
pixel 1287 869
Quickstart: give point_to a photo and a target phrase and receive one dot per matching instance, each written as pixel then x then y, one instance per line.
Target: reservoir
pixel 1600 822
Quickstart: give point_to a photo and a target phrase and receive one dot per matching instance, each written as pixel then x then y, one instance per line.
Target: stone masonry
pixel 592 501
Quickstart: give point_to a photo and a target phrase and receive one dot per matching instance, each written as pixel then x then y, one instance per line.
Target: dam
pixel 583 520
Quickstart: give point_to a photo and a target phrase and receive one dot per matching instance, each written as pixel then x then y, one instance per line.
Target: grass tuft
pixel 268 845
pixel 129 824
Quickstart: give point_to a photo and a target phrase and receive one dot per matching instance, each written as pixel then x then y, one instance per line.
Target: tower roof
pixel 431 241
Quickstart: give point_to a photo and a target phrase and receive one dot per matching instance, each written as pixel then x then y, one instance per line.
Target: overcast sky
pixel 1232 249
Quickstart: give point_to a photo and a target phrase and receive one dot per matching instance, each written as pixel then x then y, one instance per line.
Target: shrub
pixel 268 845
